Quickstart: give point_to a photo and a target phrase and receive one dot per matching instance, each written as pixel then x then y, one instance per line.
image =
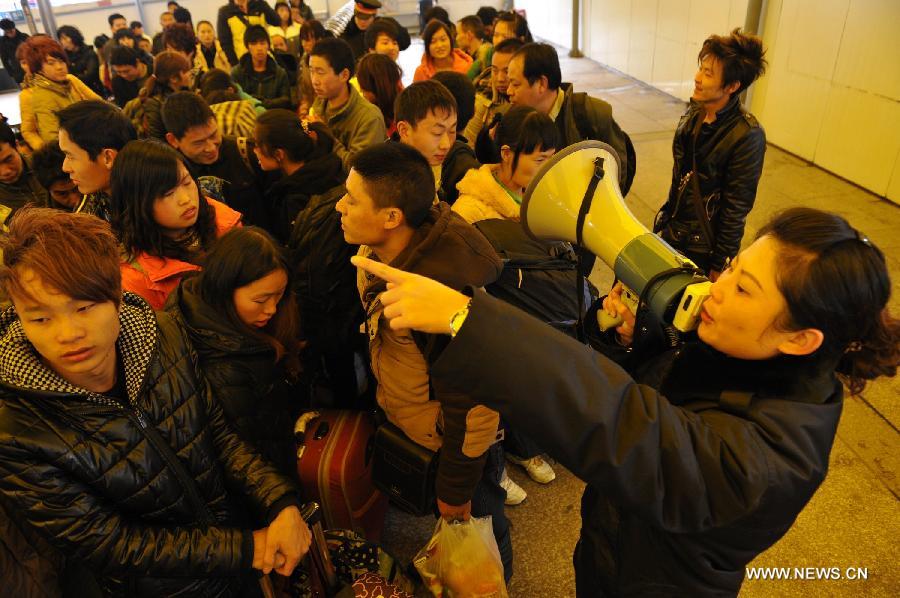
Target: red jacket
pixel 426 70
pixel 153 278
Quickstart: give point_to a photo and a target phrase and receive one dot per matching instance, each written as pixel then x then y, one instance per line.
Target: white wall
pixel 550 20
pixel 832 93
pixel 656 41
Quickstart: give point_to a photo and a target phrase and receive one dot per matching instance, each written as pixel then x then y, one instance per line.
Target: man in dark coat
pixel 18 185
pixel 111 447
pixel 535 80
pixel 10 41
pixel 389 211
pixel 225 166
pixel 259 74
pixel 719 149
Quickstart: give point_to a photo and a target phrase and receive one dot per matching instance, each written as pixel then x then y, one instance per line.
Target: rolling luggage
pixel 341 565
pixel 335 469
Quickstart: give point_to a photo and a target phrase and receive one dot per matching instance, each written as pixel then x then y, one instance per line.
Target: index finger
pixel 382 271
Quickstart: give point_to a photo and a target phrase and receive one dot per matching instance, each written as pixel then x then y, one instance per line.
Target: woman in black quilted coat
pixel 242 319
pixel 111 447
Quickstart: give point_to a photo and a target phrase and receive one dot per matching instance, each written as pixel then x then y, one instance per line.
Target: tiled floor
pixel 854 519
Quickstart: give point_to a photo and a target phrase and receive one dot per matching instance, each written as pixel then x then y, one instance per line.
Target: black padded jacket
pixel 729 164
pixel 243 375
pixel 134 490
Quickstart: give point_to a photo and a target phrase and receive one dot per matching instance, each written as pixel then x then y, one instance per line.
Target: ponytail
pixel 836 280
pixel 522 128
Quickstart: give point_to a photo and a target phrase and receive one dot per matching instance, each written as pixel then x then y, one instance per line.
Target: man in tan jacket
pixel 389 210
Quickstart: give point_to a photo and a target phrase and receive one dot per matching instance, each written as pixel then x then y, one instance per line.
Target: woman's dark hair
pixel 740 54
pixel 215 80
pixel 205 22
pixel 46 163
pixel 386 27
pixel 437 13
pixel 523 129
pixel 463 91
pixel 166 65
pixel 120 34
pixel 836 280
pixel 431 30
pixel 221 95
pixel 240 257
pixel 278 5
pixel 100 41
pixel 180 37
pixel 281 129
pixel 520 25
pixel 72 33
pixel 313 29
pixel 143 172
pixel 381 76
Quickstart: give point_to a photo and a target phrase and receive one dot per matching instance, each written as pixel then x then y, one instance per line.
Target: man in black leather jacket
pixel 718 150
pixel 111 447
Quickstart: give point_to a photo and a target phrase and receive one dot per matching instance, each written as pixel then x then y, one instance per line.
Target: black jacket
pixel 459 160
pixel 8 47
pixel 356 37
pixel 684 488
pixel 86 66
pixel 242 374
pixel 136 490
pixel 324 281
pixel 321 172
pixel 271 87
pixel 729 163
pixel 238 180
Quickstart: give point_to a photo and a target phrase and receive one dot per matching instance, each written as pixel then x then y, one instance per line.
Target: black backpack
pixel 538 277
pixel 586 130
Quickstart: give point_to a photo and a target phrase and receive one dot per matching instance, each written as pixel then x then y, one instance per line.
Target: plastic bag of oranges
pixel 462 561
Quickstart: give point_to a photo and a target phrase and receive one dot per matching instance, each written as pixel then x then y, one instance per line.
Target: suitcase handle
pixel 319 557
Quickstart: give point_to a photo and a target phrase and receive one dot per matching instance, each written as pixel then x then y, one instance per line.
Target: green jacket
pixel 356 125
pixel 271 87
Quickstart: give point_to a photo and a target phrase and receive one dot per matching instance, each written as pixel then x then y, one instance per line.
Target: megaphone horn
pixel 597 219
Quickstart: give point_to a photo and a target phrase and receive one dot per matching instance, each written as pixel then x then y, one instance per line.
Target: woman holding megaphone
pixel 699 457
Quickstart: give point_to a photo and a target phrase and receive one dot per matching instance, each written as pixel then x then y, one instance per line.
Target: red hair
pixel 75 254
pixel 38 48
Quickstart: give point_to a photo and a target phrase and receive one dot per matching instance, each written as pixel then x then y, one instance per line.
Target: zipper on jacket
pixel 187 482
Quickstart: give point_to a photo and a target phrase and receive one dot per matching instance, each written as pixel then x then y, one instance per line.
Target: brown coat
pixel 449 250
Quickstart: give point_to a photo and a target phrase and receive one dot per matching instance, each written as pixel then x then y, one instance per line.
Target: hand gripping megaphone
pixel 575 197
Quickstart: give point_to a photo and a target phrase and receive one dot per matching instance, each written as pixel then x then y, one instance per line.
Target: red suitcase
pixel 335 470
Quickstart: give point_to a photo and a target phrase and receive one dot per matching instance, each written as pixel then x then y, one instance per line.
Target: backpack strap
pixel 244 151
pixel 579 111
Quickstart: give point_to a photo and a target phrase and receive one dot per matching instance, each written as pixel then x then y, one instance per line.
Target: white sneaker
pixel 515 494
pixel 538 469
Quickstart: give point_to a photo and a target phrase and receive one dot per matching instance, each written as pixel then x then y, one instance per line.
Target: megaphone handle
pixel 606 321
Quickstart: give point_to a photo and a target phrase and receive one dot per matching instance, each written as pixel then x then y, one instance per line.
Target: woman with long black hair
pixel 697 457
pixel 241 317
pixel 163 222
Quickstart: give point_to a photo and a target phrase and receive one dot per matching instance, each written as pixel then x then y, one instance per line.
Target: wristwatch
pixel 457 319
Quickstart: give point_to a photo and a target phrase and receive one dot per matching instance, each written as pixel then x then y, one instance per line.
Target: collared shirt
pixel 557 105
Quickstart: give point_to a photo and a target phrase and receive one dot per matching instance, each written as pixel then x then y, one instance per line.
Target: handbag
pixel 404 470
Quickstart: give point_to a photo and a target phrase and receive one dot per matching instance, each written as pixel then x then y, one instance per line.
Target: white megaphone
pixel 575 197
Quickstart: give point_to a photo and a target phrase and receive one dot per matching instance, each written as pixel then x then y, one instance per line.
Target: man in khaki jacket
pixel 389 210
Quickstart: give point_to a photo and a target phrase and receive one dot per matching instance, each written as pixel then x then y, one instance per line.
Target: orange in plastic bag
pixel 462 561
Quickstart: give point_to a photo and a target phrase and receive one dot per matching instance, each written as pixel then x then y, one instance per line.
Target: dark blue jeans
pixel 489 499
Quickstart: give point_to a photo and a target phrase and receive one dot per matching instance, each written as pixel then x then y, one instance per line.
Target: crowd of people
pixel 179 215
